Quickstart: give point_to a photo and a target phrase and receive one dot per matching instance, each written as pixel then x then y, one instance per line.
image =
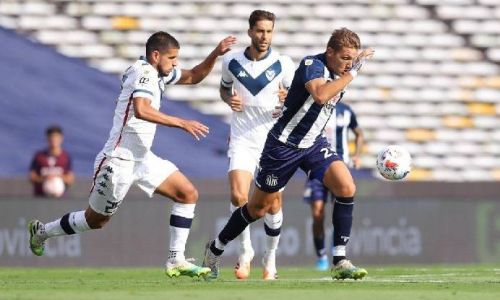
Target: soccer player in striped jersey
pixel 296 140
pixel 254 81
pixel 127 159
pixel 316 193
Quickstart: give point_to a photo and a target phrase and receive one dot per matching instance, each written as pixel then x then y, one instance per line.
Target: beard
pixel 257 47
pixel 163 74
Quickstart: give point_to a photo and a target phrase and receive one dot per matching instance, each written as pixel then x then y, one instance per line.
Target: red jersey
pixel 44 163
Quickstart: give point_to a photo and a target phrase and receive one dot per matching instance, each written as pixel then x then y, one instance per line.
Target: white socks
pixel 70 223
pixel 272 225
pixel 54 229
pixel 181 219
pixel 339 251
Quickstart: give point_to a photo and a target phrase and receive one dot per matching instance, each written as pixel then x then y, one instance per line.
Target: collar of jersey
pixel 322 58
pixel 143 58
pixel 250 59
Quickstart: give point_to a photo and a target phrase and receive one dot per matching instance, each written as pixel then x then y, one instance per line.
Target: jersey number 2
pixel 327 152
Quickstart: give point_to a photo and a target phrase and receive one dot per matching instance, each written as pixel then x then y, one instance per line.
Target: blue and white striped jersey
pixel 337 129
pixel 303 120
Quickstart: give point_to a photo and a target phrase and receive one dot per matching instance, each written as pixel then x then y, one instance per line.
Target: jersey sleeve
pixel 311 68
pixel 173 77
pixel 226 79
pixel 34 166
pixel 353 123
pixel 144 84
pixel 289 71
pixel 69 164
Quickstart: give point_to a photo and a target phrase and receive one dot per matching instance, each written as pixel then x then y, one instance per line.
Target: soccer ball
pixel 394 162
pixel 53 187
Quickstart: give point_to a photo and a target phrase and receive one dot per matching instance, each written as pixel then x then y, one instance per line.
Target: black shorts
pixel 278 162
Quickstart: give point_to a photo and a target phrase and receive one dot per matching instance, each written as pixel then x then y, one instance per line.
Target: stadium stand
pixel 433 87
pixel 38 89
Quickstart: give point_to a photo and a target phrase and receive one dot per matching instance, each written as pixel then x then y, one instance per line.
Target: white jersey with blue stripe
pixel 131 138
pixel 337 129
pixel 257 83
pixel 303 120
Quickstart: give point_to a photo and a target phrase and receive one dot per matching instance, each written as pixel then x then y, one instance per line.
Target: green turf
pixel 387 283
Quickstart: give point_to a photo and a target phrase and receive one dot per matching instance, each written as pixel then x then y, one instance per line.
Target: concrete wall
pixel 398 230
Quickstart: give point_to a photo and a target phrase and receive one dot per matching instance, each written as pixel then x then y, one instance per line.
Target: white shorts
pixel 113 178
pixel 243 157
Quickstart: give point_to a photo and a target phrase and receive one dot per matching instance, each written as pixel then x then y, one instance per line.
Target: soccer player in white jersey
pixel 316 193
pixel 254 81
pixel 126 158
pixel 296 141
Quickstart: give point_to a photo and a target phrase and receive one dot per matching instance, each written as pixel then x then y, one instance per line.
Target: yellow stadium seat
pixel 465 54
pixel 458 122
pixel 487 109
pixel 351 146
pixel 420 175
pixel 420 135
pixel 492 82
pixel 496 174
pixel 124 23
pixel 470 82
pixel 466 95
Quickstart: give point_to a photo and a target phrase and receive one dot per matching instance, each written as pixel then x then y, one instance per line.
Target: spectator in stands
pixel 50 170
pixel 316 193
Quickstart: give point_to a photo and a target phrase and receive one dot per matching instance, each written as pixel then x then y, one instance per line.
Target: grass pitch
pixel 447 282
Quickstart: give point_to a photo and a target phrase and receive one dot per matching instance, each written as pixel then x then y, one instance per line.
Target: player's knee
pixel 318 217
pixel 259 213
pixel 256 211
pixel 189 195
pixel 346 190
pixel 238 198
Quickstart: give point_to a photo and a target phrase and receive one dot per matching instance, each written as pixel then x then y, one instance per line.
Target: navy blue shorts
pixel 315 190
pixel 278 163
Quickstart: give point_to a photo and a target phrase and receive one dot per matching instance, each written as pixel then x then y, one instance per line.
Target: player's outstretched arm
pixel 144 111
pixel 199 72
pixel 323 90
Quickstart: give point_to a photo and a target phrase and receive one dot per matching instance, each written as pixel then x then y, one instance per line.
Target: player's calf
pixel 95 220
pixel 243 266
